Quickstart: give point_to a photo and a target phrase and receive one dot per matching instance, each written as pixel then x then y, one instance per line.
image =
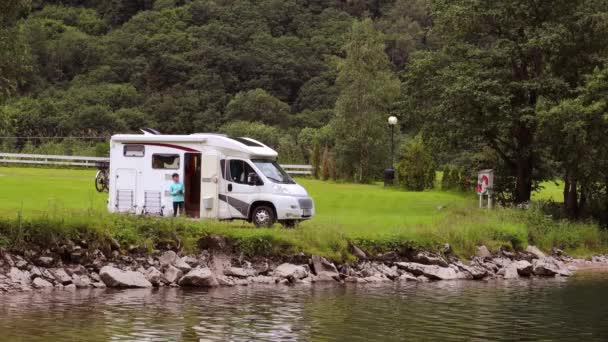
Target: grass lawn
pixel 64 202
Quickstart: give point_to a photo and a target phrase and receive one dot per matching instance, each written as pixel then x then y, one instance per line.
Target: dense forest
pixel 515 85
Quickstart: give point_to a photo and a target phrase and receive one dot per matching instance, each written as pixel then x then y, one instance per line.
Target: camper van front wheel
pixel 262 216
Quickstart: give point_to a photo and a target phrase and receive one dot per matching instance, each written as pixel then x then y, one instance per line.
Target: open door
pixel 192 184
pixel 210 186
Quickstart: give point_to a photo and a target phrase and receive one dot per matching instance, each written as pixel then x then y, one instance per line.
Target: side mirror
pixel 252 178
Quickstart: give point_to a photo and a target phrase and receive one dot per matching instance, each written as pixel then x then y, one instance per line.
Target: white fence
pixel 44 159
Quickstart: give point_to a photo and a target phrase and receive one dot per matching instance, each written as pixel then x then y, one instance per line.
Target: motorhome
pixel 224 178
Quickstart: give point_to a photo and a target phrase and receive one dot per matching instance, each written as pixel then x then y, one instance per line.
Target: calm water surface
pixel 573 309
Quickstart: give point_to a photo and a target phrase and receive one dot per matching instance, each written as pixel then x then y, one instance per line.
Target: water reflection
pixel 538 309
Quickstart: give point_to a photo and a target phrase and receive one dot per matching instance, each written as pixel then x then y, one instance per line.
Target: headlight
pixel 280 189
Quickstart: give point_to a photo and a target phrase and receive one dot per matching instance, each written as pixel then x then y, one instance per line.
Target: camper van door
pixel 239 192
pixel 210 185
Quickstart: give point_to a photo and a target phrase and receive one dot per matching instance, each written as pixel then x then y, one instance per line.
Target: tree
pixel 325 167
pixel 14 57
pixel 497 59
pixel 315 159
pixel 367 90
pixel 416 168
pixel 575 132
pixel 257 105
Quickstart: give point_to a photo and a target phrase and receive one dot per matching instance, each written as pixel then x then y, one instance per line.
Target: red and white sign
pixel 485 181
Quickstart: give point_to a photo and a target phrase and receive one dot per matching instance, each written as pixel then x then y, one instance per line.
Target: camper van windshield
pixel 273 171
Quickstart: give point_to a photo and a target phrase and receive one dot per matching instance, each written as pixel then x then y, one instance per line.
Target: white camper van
pixel 224 178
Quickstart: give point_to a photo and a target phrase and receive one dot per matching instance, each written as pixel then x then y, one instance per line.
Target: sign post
pixel 485 185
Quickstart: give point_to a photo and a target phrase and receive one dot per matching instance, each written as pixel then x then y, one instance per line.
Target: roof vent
pixel 149 131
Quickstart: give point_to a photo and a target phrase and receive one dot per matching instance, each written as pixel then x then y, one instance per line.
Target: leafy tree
pixel 367 89
pixel 497 59
pixel 416 168
pixel 575 132
pixel 315 160
pixel 325 168
pixel 14 58
pixel 257 105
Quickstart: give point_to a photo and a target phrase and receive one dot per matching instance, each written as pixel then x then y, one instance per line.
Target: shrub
pixel 416 169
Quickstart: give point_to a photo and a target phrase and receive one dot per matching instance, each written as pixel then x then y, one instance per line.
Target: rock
pixel 81 281
pixel 535 251
pixel 61 276
pixel 213 243
pixel 225 281
pixel 182 265
pixel 325 276
pixel 524 268
pixel 263 280
pixel 377 278
pixel 21 264
pixel 172 274
pixel 407 277
pixel 70 287
pixel 168 258
pixel 239 272
pixel 356 251
pixel 483 252
pixel 114 277
pixel 44 261
pixel 18 276
pixel 423 279
pixel 369 269
pixel 8 259
pixel 190 260
pixel 40 283
pixel 502 262
pixel 199 277
pixel 154 276
pixel 99 285
pixel 447 249
pixel 287 270
pixel 510 272
pixel 76 269
pixel 433 272
pixel 476 271
pixel 427 258
pixel 548 266
pixel 114 244
pixel 320 264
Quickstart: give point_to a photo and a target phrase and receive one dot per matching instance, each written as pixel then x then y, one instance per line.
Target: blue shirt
pixel 177 191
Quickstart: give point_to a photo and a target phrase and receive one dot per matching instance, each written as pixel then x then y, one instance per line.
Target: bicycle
pixel 102 179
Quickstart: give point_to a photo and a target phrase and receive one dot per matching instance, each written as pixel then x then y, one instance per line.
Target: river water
pixel 574 309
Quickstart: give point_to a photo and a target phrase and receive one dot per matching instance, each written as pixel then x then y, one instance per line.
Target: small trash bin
pixel 389 177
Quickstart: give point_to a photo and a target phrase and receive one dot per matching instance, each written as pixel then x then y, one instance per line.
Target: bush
pixel 416 169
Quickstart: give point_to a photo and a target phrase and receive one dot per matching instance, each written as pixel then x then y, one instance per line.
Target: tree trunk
pixel 571 197
pixel 523 164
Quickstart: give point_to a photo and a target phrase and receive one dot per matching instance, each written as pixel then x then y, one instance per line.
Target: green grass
pixel 45 206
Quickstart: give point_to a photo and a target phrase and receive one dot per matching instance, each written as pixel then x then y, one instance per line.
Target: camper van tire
pixel 263 216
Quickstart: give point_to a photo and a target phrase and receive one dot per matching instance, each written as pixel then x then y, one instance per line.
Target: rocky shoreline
pixel 75 266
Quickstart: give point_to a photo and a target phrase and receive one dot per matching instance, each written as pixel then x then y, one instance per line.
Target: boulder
pixel 213 242
pixel 510 272
pixel 427 258
pixel 535 251
pixel 325 276
pixel 369 269
pixel 524 268
pixel 167 258
pixel 114 277
pixel 262 280
pixel 476 271
pixel 172 274
pixel 40 283
pixel 199 277
pixel 18 276
pixel 548 267
pixel 182 265
pixel 76 269
pixel 287 270
pixel 81 281
pixel 483 252
pixel 407 277
pixel 239 272
pixel 356 251
pixel 154 276
pixel 61 276
pixel 320 264
pixel 45 261
pixel 433 272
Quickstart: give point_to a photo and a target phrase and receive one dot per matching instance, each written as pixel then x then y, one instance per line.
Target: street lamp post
pixel 389 174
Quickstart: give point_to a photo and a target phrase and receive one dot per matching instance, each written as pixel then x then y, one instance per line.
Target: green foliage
pixel 257 105
pixel 416 168
pixel 367 89
pixel 315 160
pixel 325 167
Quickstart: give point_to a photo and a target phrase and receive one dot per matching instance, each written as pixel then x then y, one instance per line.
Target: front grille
pixel 305 203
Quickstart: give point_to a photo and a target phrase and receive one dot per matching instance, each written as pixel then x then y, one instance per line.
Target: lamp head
pixel 392 120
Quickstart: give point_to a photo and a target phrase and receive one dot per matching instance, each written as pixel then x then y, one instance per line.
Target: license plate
pixel 306 212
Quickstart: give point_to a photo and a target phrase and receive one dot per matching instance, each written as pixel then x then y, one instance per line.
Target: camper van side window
pixel 239 170
pixel 165 161
pixel 132 150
